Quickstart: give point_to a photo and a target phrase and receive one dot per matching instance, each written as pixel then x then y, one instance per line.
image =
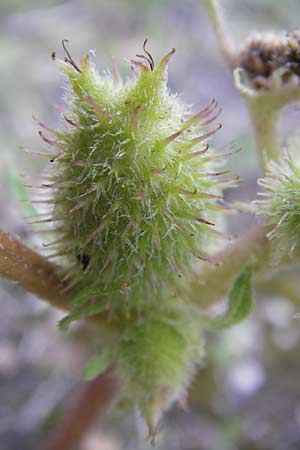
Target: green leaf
pixel 239 301
pixel 85 311
pixel 96 366
pixel 82 297
pixel 16 186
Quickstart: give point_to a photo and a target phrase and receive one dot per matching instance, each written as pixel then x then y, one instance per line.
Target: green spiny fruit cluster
pixel 281 202
pixel 136 194
pixel 157 357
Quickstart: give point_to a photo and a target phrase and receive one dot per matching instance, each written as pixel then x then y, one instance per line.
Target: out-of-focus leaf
pixel 85 311
pixel 96 366
pixel 239 301
pixel 16 186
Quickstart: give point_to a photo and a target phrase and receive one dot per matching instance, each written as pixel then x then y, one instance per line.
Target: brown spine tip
pixel 115 70
pixel 86 59
pixel 217 174
pixel 206 135
pixel 194 154
pixel 203 113
pixel 212 119
pixel 78 163
pixel 198 194
pixel 71 122
pixel 100 113
pixel 136 63
pixel 186 192
pixel 165 60
pixel 173 136
pixel 69 58
pixel 39 154
pixel 201 220
pixel 135 115
pixel 148 54
pixel 42 125
pixel 49 141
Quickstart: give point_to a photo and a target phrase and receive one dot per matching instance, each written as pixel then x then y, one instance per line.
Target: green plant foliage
pixel 157 357
pixel 239 302
pixel 16 186
pixel 280 203
pixel 96 365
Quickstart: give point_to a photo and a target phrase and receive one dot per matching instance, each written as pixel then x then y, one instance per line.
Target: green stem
pixel 203 288
pixel 264 108
pixel 31 271
pixel 264 117
pixel 215 13
pixel 92 400
pixel 208 286
pixel 37 275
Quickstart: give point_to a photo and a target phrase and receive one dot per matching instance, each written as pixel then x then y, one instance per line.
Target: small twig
pixel 286 284
pixel 93 400
pixel 264 108
pixel 68 58
pixel 31 271
pixel 37 275
pixel 203 288
pixel 264 119
pixel 215 12
pixel 206 287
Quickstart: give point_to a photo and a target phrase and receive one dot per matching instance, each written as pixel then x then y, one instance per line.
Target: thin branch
pixel 285 284
pixel 215 12
pixel 265 125
pixel 92 401
pixel 264 109
pixel 31 271
pixel 203 287
pixel 209 285
pixel 37 275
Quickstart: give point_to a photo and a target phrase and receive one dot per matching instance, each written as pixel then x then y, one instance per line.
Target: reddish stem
pixel 93 400
pixel 33 272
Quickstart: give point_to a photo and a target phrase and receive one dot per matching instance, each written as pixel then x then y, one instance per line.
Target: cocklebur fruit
pixel 134 187
pixel 280 202
pixel 136 193
pixel 157 357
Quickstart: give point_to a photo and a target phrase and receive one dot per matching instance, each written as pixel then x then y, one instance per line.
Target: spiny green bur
pixel 157 357
pixel 135 198
pixel 281 202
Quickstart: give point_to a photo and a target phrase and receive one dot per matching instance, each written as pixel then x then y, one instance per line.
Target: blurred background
pixel 247 396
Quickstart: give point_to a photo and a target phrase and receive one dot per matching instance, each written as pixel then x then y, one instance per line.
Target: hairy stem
pixel 265 123
pixel 215 13
pixel 203 288
pixel 93 400
pixel 264 110
pixel 206 287
pixel 31 271
pixel 285 284
pixel 37 275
